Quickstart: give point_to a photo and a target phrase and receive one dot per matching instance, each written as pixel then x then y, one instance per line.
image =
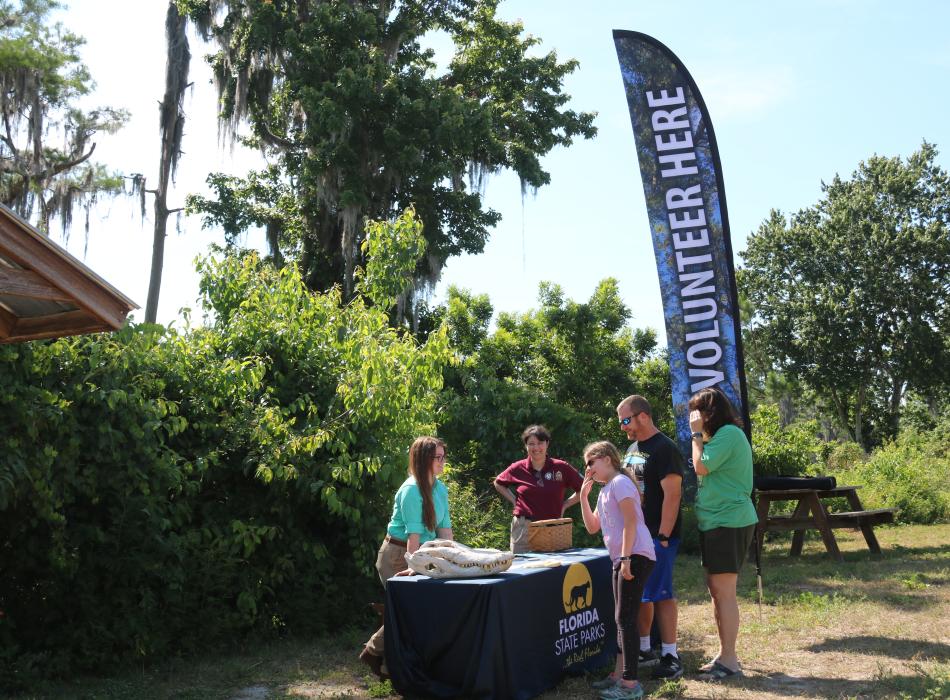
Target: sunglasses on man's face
pixel 626 421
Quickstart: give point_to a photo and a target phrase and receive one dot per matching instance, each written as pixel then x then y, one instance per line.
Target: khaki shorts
pixel 519 534
pixel 390 561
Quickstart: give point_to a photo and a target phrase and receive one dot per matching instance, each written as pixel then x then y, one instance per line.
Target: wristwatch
pixel 624 559
pixel 697 435
pixel 662 538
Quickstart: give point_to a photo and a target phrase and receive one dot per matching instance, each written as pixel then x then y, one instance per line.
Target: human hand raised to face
pixel 695 421
pixel 588 482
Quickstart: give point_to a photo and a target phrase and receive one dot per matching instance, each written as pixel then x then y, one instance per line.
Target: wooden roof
pixel 45 292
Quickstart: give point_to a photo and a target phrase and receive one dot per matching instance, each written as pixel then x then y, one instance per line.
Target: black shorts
pixel 723 549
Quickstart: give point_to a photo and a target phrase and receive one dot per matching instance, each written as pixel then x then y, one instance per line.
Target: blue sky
pixel 797 92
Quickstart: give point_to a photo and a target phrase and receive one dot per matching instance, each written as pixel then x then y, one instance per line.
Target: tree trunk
pixel 158 257
pixel 842 410
pixel 273 242
pixel 897 394
pixel 172 122
pixel 858 418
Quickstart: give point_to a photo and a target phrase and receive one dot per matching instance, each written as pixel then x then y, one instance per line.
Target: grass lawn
pixel 867 628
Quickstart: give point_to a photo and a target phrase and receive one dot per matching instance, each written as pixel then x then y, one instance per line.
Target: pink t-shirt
pixel 611 518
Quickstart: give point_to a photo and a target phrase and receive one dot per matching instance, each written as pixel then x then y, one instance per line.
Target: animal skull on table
pixel 448 559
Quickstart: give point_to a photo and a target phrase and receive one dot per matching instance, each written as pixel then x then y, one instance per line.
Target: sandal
pixel 718 672
pixel 708 666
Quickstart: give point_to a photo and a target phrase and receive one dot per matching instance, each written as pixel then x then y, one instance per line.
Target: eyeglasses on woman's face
pixel 439 457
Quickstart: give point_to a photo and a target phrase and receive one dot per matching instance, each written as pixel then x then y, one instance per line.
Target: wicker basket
pixel 550 535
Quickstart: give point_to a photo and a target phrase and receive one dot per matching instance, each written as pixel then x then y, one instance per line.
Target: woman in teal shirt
pixel 420 514
pixel 722 458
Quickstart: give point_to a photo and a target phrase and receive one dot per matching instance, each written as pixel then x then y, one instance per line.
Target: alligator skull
pixel 448 559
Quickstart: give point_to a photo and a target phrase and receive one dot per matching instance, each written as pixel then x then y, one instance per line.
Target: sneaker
pixel 668 668
pixel 604 683
pixel 619 692
pixel 648 659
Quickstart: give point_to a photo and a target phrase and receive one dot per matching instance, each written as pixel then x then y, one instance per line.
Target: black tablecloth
pixel 512 635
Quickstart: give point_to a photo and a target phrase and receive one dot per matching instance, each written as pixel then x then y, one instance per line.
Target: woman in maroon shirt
pixel 539 483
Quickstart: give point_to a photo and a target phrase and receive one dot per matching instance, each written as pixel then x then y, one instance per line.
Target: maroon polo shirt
pixel 539 494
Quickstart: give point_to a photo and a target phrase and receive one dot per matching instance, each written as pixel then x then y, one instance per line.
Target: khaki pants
pixel 390 560
pixel 519 534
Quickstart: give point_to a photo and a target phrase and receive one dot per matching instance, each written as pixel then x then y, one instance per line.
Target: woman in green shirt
pixel 722 458
pixel 420 514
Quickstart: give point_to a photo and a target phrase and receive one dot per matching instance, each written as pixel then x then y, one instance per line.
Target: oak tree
pixel 851 294
pixel 46 139
pixel 358 120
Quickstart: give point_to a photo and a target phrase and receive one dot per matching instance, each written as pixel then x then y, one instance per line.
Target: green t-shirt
pixel 407 511
pixel 725 493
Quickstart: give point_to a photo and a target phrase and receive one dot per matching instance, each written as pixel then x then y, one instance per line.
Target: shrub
pixel 843 456
pixel 792 450
pixel 911 475
pixel 479 517
pixel 159 490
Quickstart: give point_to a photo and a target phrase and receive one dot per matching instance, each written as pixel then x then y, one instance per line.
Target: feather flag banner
pixel 686 205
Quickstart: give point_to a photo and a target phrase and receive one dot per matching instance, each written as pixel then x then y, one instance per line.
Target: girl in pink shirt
pixel 619 517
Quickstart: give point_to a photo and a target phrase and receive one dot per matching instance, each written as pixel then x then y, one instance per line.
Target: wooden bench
pixel 810 514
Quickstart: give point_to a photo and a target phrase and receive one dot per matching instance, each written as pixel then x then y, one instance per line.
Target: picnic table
pixel 811 514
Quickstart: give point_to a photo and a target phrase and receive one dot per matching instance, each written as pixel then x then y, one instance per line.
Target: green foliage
pixel 159 491
pixel 842 456
pixel 262 199
pixel 923 684
pixel 47 141
pixel 361 122
pixel 910 474
pixel 566 365
pixel 479 518
pixel 850 295
pixel 792 450
pixel 689 530
pixel 651 378
pixel 392 249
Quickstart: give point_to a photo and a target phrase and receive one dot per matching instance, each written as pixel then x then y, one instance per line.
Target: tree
pixel 41 79
pixel 161 492
pixel 566 365
pixel 361 122
pixel 851 295
pixel 171 128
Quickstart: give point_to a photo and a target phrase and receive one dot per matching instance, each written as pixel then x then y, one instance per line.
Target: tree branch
pixel 273 139
pixel 56 170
